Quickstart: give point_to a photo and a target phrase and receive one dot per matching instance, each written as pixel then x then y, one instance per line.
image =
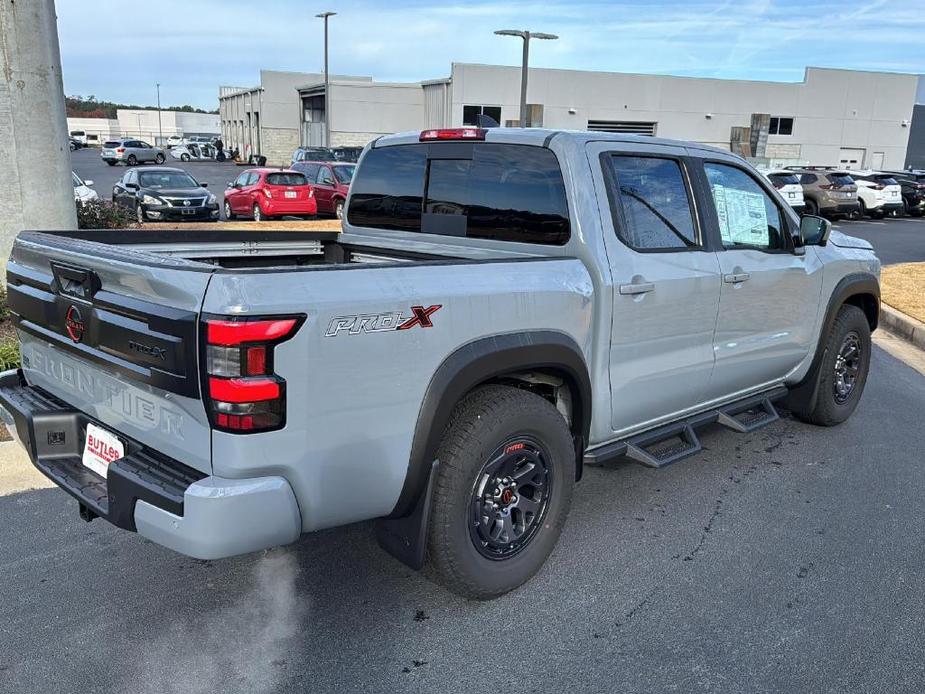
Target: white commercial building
pixel 831 117
pixel 144 124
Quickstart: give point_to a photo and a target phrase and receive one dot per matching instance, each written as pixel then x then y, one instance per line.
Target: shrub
pixel 102 214
pixel 9 353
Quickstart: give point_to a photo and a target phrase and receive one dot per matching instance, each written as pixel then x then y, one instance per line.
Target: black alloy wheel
pixel 509 498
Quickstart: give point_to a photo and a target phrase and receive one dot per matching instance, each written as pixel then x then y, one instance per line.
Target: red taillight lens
pixel 777 185
pixel 244 393
pixel 453 134
pixel 827 186
pixel 120 150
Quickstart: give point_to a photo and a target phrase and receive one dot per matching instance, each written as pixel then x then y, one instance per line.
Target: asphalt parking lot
pixel 787 560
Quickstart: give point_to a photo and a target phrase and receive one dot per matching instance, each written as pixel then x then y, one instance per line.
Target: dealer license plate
pixel 100 449
pixel 291 194
pixel 188 211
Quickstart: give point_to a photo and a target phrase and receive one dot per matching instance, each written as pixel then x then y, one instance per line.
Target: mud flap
pixel 406 538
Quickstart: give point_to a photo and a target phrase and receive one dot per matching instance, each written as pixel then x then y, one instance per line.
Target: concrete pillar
pixel 37 192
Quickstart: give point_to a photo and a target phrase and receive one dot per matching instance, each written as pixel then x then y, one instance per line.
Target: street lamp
pixel 526 36
pixel 160 131
pixel 327 84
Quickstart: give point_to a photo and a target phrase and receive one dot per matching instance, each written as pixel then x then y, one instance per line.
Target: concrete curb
pixel 903 326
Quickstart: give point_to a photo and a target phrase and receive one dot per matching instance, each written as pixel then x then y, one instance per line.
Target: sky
pixel 117 51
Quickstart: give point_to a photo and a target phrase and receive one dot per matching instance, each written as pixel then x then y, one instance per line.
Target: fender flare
pixel 403 532
pixel 856 284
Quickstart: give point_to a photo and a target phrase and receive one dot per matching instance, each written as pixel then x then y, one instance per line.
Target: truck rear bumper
pixel 160 498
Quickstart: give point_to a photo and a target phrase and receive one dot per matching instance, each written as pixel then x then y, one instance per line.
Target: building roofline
pixel 806 71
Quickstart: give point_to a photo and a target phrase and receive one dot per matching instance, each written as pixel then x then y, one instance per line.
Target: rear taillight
pixel 120 150
pixel 827 186
pixel 777 185
pixel 878 186
pixel 244 395
pixel 311 192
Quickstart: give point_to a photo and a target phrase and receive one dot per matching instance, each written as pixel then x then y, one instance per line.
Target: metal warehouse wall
pixel 915 155
pixel 831 108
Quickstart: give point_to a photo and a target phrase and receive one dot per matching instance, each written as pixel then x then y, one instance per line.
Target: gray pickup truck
pixel 502 308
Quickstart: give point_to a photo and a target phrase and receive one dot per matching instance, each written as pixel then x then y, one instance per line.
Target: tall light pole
pixel 327 82
pixel 526 36
pixel 160 130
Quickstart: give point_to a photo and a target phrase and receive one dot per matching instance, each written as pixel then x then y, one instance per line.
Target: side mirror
pixel 230 184
pixel 815 230
pixel 131 186
pixel 204 185
pixel 88 182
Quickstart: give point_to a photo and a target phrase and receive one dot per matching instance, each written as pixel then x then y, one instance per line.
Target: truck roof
pixel 540 137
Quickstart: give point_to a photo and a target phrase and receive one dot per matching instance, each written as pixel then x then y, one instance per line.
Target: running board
pixel 670 443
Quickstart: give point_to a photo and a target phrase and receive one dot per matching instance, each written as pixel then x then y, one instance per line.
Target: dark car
pixel 313 154
pixel 75 144
pixel 913 185
pixel 330 180
pixel 349 154
pixel 162 193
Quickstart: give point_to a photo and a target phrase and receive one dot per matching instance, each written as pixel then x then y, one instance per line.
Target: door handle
pixel 736 277
pixel 640 288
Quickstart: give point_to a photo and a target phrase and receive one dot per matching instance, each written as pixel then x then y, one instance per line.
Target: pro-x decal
pixel 382 322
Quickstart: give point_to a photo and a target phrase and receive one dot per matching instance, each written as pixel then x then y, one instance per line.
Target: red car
pixel 266 193
pixel 331 181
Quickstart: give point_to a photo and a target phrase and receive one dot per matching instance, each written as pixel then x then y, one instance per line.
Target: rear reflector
pixel 453 134
pixel 241 390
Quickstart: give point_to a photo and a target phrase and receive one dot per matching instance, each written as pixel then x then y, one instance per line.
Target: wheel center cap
pixel 506 496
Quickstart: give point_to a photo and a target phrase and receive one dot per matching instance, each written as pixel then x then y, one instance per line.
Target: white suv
pixel 788 185
pixel 878 194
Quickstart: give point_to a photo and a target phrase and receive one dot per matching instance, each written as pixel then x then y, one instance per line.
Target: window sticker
pixel 743 218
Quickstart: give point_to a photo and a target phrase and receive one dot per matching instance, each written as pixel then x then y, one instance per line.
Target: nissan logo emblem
pixel 74 324
pixel 186 202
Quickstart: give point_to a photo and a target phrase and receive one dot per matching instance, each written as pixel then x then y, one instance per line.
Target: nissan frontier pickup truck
pixel 502 308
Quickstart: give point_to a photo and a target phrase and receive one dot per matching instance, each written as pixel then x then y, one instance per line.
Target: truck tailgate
pixel 113 332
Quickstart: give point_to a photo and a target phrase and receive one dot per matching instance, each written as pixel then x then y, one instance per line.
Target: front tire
pixel 159 159
pixel 502 493
pixel 258 214
pixel 841 374
pixel 132 160
pixel 139 213
pixel 339 209
pixel 184 157
pixel 228 213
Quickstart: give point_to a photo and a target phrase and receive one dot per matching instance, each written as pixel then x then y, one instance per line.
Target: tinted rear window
pixel 112 143
pixel 492 191
pixel 784 179
pixel 840 179
pixel 287 179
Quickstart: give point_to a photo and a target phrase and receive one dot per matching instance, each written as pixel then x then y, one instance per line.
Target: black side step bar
pixel 673 442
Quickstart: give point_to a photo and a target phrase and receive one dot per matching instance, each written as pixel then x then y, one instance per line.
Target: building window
pixel 623 126
pixel 471 114
pixel 781 126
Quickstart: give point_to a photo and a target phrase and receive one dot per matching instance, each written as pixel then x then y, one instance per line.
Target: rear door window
pixel 652 203
pixel 488 191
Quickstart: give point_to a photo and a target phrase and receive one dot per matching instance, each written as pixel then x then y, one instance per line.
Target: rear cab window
pixel 504 192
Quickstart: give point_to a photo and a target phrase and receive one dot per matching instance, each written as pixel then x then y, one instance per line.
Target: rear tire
pixel 862 210
pixel 132 160
pixel 110 162
pixel 485 538
pixel 841 374
pixel 811 207
pixel 184 157
pixel 159 159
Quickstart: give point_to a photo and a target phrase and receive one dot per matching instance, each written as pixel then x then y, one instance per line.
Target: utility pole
pixel 327 82
pixel 524 67
pixel 34 152
pixel 160 130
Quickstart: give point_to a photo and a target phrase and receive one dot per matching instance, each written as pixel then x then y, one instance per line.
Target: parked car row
pixel 307 188
pixel 831 191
